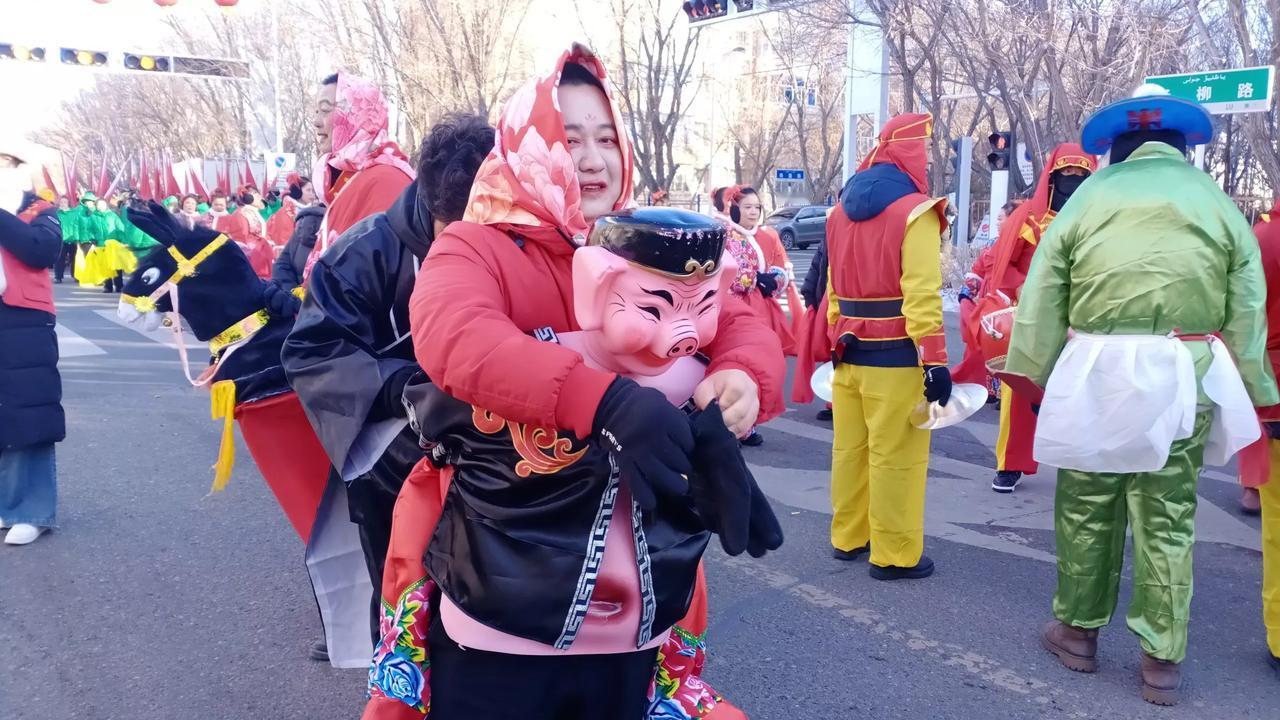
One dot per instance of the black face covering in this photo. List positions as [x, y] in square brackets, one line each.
[1125, 144]
[1063, 187]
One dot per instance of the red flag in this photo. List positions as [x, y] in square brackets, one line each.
[69, 172]
[144, 183]
[197, 186]
[48, 179]
[171, 183]
[103, 182]
[157, 178]
[249, 179]
[226, 175]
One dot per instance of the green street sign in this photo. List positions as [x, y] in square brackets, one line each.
[1223, 92]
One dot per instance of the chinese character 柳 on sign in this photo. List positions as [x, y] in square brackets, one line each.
[1204, 93]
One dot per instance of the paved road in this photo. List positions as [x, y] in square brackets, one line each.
[157, 601]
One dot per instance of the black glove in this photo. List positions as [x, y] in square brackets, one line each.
[650, 439]
[937, 384]
[391, 396]
[280, 302]
[767, 283]
[725, 494]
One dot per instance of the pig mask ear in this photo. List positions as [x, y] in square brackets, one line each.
[595, 269]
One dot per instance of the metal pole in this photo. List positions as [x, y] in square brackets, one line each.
[275, 75]
[961, 232]
[999, 196]
[1228, 186]
[850, 120]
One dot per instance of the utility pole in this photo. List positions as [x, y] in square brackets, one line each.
[866, 83]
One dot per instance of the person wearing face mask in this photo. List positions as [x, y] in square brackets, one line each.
[31, 417]
[360, 171]
[1143, 319]
[1066, 170]
[884, 307]
[492, 280]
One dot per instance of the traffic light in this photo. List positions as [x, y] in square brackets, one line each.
[147, 63]
[85, 58]
[9, 51]
[701, 10]
[1001, 155]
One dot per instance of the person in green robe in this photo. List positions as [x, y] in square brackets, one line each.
[69, 219]
[1144, 289]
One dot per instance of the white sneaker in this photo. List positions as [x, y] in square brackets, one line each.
[23, 534]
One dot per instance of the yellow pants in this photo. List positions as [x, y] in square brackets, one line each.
[879, 462]
[1270, 495]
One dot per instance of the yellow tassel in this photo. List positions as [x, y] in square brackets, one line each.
[222, 401]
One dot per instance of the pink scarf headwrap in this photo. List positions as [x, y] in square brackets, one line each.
[359, 134]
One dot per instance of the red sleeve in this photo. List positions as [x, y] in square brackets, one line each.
[369, 191]
[745, 343]
[233, 226]
[465, 340]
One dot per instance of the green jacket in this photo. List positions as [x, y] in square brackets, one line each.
[78, 225]
[107, 226]
[1146, 247]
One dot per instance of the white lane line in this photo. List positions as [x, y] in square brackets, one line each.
[72, 344]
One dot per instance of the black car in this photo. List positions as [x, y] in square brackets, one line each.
[800, 226]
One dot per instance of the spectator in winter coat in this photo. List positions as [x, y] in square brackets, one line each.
[31, 418]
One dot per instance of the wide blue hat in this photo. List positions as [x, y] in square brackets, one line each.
[1151, 108]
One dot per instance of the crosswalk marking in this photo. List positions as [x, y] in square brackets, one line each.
[72, 344]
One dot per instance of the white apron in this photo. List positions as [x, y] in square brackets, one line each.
[1117, 403]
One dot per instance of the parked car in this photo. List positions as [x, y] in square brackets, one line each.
[800, 226]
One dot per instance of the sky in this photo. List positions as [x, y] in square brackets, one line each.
[39, 89]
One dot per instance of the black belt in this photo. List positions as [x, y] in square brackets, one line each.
[875, 309]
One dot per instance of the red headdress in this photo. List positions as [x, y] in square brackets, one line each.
[904, 141]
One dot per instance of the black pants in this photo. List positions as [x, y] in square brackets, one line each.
[66, 259]
[115, 284]
[371, 505]
[480, 685]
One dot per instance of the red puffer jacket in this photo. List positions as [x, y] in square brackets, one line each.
[481, 292]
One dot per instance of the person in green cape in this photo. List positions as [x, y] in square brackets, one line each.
[1143, 318]
[68, 222]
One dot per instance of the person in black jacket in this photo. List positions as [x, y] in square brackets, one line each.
[31, 417]
[350, 355]
[812, 290]
[286, 271]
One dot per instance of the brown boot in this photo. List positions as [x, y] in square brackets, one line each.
[1076, 648]
[1161, 681]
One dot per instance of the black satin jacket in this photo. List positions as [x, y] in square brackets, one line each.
[521, 535]
[352, 333]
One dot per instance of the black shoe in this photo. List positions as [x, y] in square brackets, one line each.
[824, 415]
[319, 651]
[850, 555]
[1006, 481]
[920, 570]
[107, 290]
[755, 439]
[1274, 662]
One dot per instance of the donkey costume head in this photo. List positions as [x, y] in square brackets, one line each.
[215, 285]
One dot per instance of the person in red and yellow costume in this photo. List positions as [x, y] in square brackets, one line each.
[247, 228]
[883, 245]
[1259, 475]
[1068, 166]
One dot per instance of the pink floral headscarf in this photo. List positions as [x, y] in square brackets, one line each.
[359, 134]
[529, 183]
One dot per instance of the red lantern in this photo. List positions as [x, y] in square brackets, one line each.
[226, 4]
[166, 3]
[102, 2]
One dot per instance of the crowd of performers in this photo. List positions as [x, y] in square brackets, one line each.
[505, 410]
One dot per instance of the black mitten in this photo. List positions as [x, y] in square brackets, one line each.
[767, 283]
[279, 302]
[937, 384]
[650, 439]
[725, 494]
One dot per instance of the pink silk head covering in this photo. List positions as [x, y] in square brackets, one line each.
[359, 134]
[529, 183]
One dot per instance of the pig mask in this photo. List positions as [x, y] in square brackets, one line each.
[648, 288]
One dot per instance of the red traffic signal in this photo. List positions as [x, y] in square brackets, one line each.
[1001, 150]
[701, 10]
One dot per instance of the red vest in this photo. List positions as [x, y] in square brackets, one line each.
[27, 287]
[866, 271]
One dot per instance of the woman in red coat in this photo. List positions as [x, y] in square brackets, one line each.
[503, 275]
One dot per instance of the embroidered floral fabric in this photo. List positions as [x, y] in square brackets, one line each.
[400, 668]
